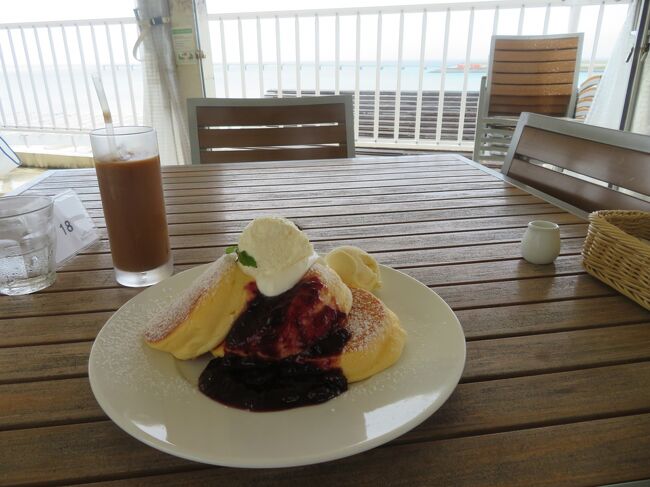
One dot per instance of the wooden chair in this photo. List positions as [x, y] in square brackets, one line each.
[536, 74]
[591, 168]
[270, 129]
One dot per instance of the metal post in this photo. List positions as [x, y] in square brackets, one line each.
[418, 105]
[443, 71]
[242, 62]
[398, 88]
[260, 62]
[375, 125]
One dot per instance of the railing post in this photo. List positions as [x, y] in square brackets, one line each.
[463, 96]
[375, 125]
[58, 77]
[317, 54]
[418, 105]
[594, 49]
[224, 59]
[47, 85]
[357, 68]
[278, 55]
[242, 61]
[547, 16]
[337, 54]
[398, 87]
[443, 71]
[6, 77]
[128, 73]
[20, 82]
[260, 62]
[118, 101]
[297, 26]
[574, 18]
[31, 77]
[85, 73]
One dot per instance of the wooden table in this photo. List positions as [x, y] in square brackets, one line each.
[556, 389]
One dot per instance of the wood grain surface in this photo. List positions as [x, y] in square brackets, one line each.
[556, 387]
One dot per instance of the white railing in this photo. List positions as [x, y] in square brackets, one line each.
[400, 63]
[46, 69]
[430, 103]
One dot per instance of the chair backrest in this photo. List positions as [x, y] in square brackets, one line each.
[592, 168]
[536, 74]
[585, 99]
[270, 129]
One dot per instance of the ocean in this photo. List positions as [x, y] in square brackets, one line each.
[67, 111]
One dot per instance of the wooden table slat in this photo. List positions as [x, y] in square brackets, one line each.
[583, 453]
[253, 202]
[251, 179]
[228, 194]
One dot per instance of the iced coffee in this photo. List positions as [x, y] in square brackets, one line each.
[130, 183]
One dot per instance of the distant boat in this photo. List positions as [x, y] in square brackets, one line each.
[472, 67]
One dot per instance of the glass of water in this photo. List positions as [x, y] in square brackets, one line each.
[27, 244]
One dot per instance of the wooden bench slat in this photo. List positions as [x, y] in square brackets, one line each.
[534, 56]
[622, 167]
[533, 90]
[315, 152]
[536, 44]
[269, 115]
[271, 136]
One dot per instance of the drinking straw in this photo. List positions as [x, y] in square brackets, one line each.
[106, 112]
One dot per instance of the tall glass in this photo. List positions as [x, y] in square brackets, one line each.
[27, 244]
[128, 172]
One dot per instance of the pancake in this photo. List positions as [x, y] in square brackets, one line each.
[376, 337]
[200, 318]
[281, 326]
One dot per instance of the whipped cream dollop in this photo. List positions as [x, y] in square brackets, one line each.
[356, 267]
[282, 252]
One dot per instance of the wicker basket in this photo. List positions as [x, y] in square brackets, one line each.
[615, 253]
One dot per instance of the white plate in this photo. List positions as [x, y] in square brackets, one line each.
[153, 397]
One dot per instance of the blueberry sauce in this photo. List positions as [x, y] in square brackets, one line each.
[282, 352]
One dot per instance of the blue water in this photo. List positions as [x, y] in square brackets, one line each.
[409, 79]
[455, 80]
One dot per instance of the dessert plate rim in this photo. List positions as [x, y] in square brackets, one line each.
[143, 392]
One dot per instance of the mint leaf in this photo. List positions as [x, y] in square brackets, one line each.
[246, 259]
[243, 257]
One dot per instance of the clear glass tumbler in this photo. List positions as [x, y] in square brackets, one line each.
[27, 244]
[128, 172]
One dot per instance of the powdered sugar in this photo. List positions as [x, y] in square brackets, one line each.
[367, 320]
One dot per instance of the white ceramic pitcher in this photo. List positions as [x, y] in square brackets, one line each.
[541, 242]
